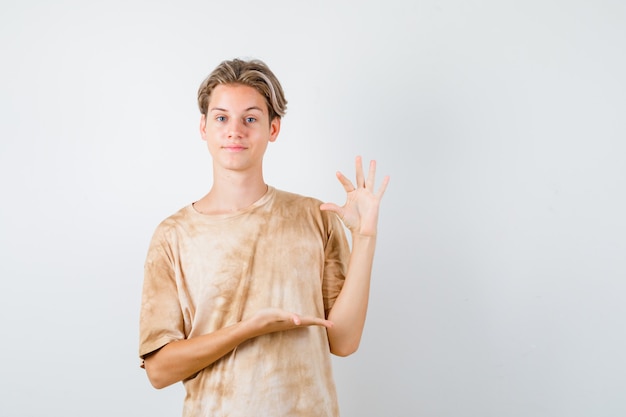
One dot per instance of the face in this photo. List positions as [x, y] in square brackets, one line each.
[237, 128]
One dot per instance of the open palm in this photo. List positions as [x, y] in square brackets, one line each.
[360, 212]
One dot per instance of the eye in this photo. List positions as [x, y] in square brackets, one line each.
[250, 119]
[221, 118]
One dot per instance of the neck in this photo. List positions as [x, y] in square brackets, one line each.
[231, 194]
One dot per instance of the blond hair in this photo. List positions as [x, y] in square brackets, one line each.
[253, 73]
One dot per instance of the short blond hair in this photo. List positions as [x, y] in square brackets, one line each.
[253, 73]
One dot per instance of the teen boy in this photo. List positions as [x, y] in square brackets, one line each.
[249, 289]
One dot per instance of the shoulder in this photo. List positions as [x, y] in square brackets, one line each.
[297, 206]
[295, 200]
[181, 219]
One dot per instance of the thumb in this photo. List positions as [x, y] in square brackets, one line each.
[330, 207]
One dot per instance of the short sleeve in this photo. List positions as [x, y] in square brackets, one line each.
[336, 257]
[161, 319]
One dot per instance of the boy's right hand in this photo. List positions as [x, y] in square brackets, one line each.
[270, 320]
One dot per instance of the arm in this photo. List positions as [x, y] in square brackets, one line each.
[360, 215]
[179, 360]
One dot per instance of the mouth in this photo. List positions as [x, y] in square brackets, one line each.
[234, 148]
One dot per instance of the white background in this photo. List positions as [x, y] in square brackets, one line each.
[500, 275]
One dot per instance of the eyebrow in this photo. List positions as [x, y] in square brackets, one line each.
[248, 109]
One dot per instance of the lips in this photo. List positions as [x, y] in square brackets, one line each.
[234, 148]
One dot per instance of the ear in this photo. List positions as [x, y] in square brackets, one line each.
[203, 127]
[274, 129]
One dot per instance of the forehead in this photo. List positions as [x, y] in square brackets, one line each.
[236, 97]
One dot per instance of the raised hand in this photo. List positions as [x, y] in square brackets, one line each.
[360, 212]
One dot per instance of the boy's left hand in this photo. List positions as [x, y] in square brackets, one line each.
[360, 212]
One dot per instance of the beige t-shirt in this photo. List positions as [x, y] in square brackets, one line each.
[206, 272]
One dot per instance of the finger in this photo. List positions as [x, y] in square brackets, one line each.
[314, 321]
[360, 181]
[347, 184]
[296, 320]
[332, 207]
[327, 323]
[371, 176]
[383, 187]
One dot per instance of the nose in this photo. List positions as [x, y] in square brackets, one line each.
[235, 129]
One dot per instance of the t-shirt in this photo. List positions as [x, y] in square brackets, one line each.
[205, 272]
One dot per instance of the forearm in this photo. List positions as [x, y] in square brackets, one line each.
[350, 308]
[179, 360]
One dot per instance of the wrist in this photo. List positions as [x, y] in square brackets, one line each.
[362, 238]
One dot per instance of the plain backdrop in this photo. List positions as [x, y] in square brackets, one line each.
[500, 274]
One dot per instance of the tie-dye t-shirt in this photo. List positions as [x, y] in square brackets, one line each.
[205, 272]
